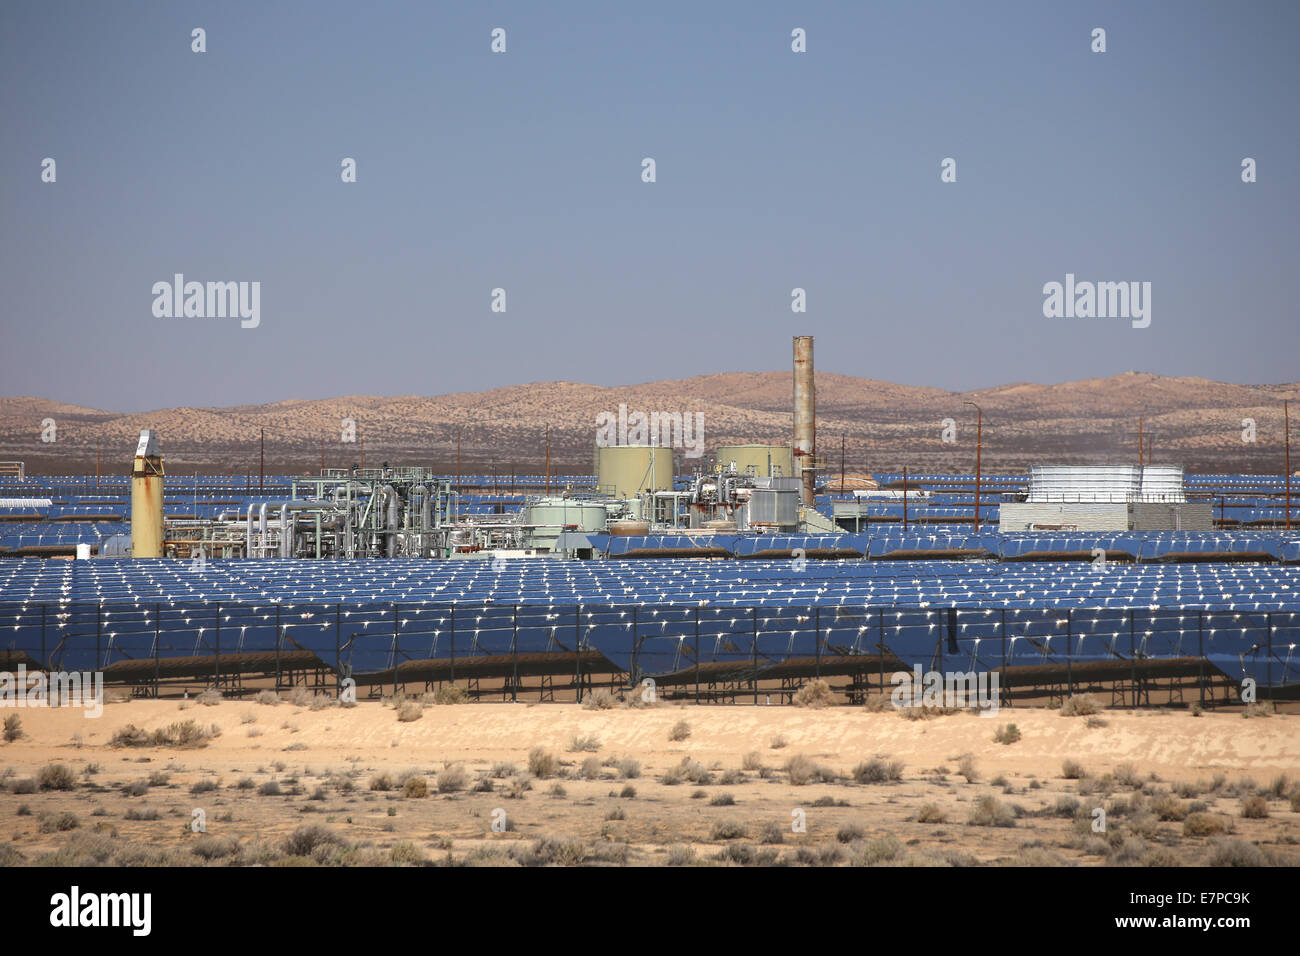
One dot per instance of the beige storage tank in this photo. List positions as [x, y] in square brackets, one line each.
[627, 470]
[769, 461]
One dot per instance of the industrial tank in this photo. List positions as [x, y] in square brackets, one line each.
[565, 514]
[545, 519]
[627, 470]
[769, 461]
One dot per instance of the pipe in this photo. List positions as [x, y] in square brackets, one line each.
[248, 532]
[391, 521]
[805, 415]
[288, 527]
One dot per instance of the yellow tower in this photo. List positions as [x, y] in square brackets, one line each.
[147, 498]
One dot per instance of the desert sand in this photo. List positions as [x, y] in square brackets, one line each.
[1148, 770]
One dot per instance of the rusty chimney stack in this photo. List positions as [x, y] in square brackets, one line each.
[805, 416]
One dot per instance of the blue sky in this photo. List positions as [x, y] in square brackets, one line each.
[522, 170]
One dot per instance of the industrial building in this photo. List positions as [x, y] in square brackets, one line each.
[1106, 498]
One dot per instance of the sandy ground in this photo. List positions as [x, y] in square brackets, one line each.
[325, 761]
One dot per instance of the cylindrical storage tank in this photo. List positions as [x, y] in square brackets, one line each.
[147, 499]
[566, 515]
[768, 461]
[1163, 483]
[628, 526]
[627, 470]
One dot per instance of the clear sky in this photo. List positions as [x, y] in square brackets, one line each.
[522, 171]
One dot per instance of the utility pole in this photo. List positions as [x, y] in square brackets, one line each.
[979, 449]
[322, 454]
[457, 459]
[98, 449]
[1286, 424]
[841, 464]
[548, 459]
[1140, 446]
[261, 465]
[904, 497]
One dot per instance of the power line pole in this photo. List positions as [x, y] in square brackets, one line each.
[261, 465]
[1286, 420]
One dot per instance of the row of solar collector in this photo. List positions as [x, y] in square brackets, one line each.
[363, 639]
[1220, 586]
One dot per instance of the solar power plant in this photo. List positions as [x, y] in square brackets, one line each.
[655, 616]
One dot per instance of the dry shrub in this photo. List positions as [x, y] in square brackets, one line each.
[415, 787]
[599, 700]
[209, 698]
[13, 728]
[1259, 709]
[991, 812]
[877, 703]
[590, 769]
[877, 770]
[590, 743]
[381, 782]
[310, 838]
[56, 776]
[409, 710]
[886, 849]
[1080, 705]
[451, 694]
[453, 778]
[681, 730]
[1073, 770]
[930, 813]
[215, 847]
[268, 697]
[1007, 735]
[57, 822]
[752, 761]
[1202, 824]
[803, 770]
[722, 800]
[542, 763]
[816, 694]
[1233, 851]
[1254, 808]
[187, 733]
[1126, 775]
[779, 741]
[628, 769]
[849, 832]
[406, 853]
[727, 830]
[1169, 808]
[966, 768]
[677, 856]
[926, 712]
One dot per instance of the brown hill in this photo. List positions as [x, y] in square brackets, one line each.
[883, 426]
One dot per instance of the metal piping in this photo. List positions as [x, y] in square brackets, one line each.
[391, 522]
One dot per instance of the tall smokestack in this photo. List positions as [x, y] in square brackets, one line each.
[805, 415]
[147, 498]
